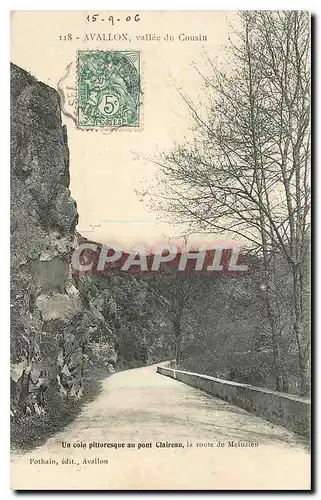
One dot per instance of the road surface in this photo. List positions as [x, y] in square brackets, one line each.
[139, 431]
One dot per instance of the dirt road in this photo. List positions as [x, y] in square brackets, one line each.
[125, 440]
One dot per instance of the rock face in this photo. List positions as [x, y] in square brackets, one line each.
[49, 323]
[60, 321]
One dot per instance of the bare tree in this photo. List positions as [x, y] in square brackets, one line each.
[179, 289]
[246, 172]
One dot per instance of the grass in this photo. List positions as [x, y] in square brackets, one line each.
[29, 432]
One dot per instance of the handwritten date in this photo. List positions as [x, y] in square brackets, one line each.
[93, 18]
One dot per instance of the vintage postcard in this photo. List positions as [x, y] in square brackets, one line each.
[160, 250]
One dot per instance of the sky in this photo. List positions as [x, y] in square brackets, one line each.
[107, 168]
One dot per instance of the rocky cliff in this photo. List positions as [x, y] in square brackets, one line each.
[49, 322]
[60, 322]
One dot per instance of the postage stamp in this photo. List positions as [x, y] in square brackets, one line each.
[108, 89]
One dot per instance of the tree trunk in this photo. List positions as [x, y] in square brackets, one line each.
[303, 358]
[280, 379]
[178, 340]
[300, 336]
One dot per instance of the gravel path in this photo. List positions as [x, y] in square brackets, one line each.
[135, 435]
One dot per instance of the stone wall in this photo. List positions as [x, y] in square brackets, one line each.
[290, 411]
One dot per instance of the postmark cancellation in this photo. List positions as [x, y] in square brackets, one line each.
[108, 86]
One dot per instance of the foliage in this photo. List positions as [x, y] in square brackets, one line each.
[30, 431]
[246, 173]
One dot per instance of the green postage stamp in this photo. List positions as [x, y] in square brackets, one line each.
[108, 89]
